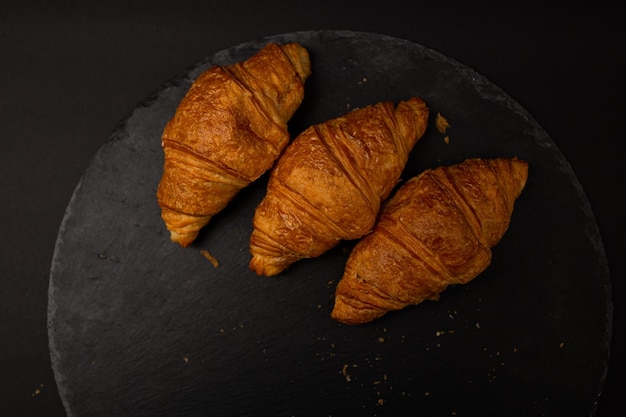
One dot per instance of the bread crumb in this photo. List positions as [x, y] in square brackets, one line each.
[210, 257]
[447, 140]
[441, 123]
[37, 391]
[344, 371]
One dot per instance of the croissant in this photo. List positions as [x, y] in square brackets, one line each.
[329, 183]
[437, 230]
[226, 132]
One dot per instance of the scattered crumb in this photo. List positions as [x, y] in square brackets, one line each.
[447, 140]
[186, 359]
[381, 401]
[210, 257]
[441, 123]
[344, 372]
[561, 344]
[477, 325]
[381, 339]
[37, 391]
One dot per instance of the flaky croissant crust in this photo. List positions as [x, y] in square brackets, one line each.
[227, 131]
[437, 230]
[329, 183]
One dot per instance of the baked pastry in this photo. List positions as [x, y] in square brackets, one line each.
[330, 182]
[227, 131]
[437, 230]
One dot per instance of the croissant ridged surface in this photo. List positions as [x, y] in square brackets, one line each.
[437, 230]
[329, 183]
[227, 131]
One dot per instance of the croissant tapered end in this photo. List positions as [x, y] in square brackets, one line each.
[437, 230]
[266, 266]
[226, 132]
[264, 260]
[183, 228]
[519, 176]
[346, 313]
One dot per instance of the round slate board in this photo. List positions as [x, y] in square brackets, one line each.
[141, 327]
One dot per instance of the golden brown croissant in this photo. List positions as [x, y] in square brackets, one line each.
[329, 183]
[437, 230]
[227, 131]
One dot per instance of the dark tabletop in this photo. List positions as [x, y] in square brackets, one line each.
[71, 73]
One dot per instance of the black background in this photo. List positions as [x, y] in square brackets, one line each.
[71, 71]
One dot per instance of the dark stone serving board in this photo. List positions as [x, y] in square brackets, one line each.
[141, 327]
